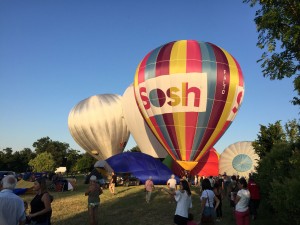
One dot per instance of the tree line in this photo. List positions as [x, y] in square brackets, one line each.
[47, 155]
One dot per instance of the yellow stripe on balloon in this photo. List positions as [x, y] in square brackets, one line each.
[179, 122]
[178, 57]
[234, 79]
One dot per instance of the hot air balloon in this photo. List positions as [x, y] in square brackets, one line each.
[208, 165]
[98, 126]
[239, 159]
[189, 93]
[138, 128]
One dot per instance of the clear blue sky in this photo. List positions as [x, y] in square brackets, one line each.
[56, 53]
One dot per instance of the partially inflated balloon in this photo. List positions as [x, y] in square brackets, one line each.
[189, 93]
[98, 126]
[239, 159]
[140, 131]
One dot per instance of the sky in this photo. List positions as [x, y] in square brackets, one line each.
[53, 54]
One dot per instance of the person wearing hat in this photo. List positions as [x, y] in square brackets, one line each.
[93, 192]
[149, 186]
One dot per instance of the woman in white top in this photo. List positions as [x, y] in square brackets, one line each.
[242, 215]
[207, 201]
[184, 202]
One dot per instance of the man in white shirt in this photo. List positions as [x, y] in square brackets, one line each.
[12, 211]
[172, 185]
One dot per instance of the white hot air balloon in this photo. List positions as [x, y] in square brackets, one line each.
[239, 159]
[98, 126]
[140, 131]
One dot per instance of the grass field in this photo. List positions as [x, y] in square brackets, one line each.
[128, 207]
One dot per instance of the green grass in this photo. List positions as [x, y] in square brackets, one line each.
[128, 207]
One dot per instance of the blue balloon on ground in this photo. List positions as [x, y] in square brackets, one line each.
[141, 166]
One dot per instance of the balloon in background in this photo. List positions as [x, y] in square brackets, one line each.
[189, 93]
[208, 165]
[238, 159]
[98, 126]
[138, 128]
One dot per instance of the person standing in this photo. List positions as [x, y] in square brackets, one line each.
[208, 208]
[93, 192]
[40, 205]
[149, 186]
[12, 209]
[254, 197]
[219, 194]
[183, 198]
[241, 203]
[113, 182]
[172, 185]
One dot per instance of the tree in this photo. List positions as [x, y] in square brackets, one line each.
[72, 157]
[57, 149]
[43, 162]
[85, 163]
[267, 137]
[278, 169]
[135, 149]
[278, 25]
[292, 130]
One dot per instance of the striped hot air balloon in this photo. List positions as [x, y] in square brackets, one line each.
[189, 93]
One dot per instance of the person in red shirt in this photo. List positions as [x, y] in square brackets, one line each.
[253, 187]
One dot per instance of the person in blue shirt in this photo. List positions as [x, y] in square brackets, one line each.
[12, 209]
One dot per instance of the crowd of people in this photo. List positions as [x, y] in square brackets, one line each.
[243, 197]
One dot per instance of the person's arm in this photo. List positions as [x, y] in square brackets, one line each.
[88, 191]
[203, 202]
[22, 220]
[237, 199]
[217, 202]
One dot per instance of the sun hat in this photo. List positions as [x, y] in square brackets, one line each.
[93, 177]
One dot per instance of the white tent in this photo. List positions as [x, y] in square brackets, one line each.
[61, 170]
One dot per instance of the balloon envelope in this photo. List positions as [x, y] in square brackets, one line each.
[98, 126]
[189, 93]
[208, 165]
[138, 128]
[239, 159]
[140, 165]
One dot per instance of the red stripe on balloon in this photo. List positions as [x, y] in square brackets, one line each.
[142, 68]
[194, 59]
[163, 60]
[191, 119]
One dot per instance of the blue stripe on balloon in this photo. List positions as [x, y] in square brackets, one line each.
[150, 70]
[162, 127]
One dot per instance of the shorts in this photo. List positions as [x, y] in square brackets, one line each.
[93, 204]
[180, 220]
